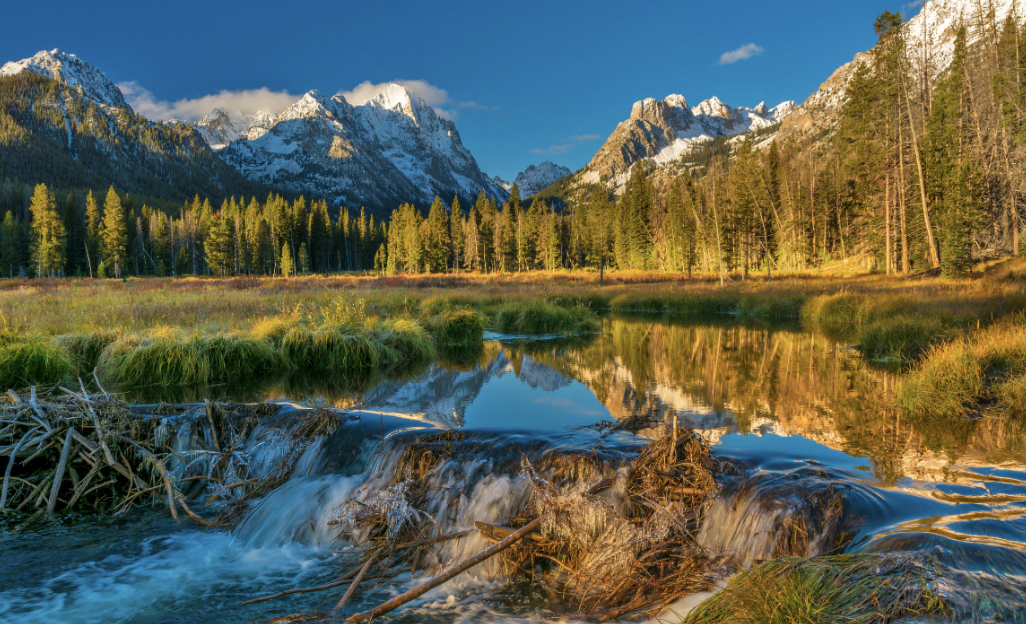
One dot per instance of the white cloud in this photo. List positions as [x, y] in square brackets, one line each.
[567, 144]
[247, 101]
[741, 54]
[435, 97]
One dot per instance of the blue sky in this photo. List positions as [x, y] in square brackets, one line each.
[524, 82]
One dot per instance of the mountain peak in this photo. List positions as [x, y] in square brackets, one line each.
[77, 74]
[537, 178]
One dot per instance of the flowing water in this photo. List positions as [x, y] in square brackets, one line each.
[805, 417]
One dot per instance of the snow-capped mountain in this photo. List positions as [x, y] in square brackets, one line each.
[221, 127]
[930, 41]
[664, 130]
[78, 75]
[537, 178]
[388, 149]
[92, 138]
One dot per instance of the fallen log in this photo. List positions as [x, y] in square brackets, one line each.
[452, 572]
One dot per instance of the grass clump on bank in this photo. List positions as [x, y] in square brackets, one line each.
[540, 317]
[168, 358]
[857, 589]
[959, 377]
[457, 328]
[33, 361]
[85, 349]
[328, 349]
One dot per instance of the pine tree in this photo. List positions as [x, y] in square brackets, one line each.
[9, 244]
[93, 241]
[304, 259]
[456, 235]
[219, 245]
[48, 234]
[115, 232]
[287, 269]
[437, 243]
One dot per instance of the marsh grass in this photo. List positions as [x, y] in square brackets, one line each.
[856, 589]
[33, 361]
[169, 357]
[540, 317]
[457, 328]
[85, 349]
[403, 344]
[956, 378]
[328, 350]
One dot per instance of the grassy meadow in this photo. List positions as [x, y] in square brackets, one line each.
[962, 342]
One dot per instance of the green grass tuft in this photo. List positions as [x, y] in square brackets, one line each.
[855, 589]
[33, 361]
[540, 317]
[85, 349]
[902, 337]
[457, 328]
[403, 344]
[170, 358]
[328, 349]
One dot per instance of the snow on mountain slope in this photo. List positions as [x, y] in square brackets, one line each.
[221, 127]
[930, 40]
[537, 178]
[80, 76]
[387, 149]
[664, 130]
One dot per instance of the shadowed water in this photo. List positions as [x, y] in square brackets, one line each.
[804, 415]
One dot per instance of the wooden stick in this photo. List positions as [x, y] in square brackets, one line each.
[434, 540]
[61, 466]
[465, 565]
[10, 465]
[213, 430]
[356, 581]
[35, 407]
[83, 484]
[305, 590]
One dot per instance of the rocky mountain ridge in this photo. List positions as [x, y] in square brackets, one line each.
[664, 130]
[379, 152]
[78, 75]
[537, 178]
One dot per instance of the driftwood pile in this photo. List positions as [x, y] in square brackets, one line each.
[67, 451]
[614, 547]
[75, 451]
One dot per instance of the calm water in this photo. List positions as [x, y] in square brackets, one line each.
[780, 400]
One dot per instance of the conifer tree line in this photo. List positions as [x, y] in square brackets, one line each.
[923, 171]
[109, 236]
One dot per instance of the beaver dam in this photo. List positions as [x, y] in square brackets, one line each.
[671, 473]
